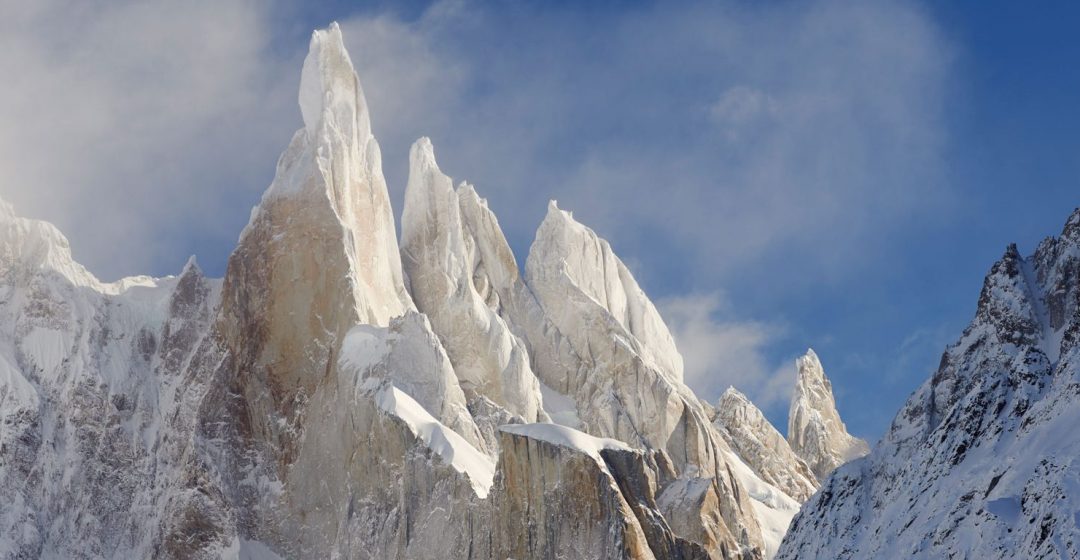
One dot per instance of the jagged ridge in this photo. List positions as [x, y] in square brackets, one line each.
[305, 406]
[981, 460]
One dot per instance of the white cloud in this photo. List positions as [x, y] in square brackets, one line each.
[720, 350]
[139, 128]
[754, 138]
[742, 134]
[742, 106]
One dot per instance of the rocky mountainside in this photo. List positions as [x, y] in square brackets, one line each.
[815, 431]
[762, 447]
[981, 462]
[336, 395]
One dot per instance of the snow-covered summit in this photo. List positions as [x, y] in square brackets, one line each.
[330, 92]
[36, 246]
[328, 200]
[981, 460]
[565, 249]
[815, 430]
[444, 257]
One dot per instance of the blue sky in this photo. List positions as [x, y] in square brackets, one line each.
[778, 175]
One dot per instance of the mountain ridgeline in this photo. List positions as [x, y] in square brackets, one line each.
[983, 461]
[337, 395]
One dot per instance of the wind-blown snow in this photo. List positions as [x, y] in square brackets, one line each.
[566, 437]
[442, 440]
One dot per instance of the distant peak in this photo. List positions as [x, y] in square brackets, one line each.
[1072, 226]
[192, 265]
[556, 213]
[422, 154]
[733, 394]
[1011, 252]
[809, 365]
[1074, 218]
[329, 85]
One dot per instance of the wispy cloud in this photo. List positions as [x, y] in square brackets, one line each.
[140, 128]
[717, 144]
[721, 350]
[796, 133]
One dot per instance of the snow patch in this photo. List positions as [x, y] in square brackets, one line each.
[566, 437]
[561, 408]
[454, 449]
[773, 509]
[15, 391]
[46, 348]
[364, 346]
[255, 550]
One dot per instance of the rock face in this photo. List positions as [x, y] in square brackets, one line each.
[546, 471]
[625, 387]
[762, 447]
[815, 431]
[447, 271]
[91, 397]
[335, 397]
[981, 460]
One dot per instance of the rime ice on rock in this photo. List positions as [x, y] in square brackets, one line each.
[815, 430]
[444, 259]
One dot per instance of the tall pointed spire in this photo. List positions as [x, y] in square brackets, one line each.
[815, 430]
[330, 91]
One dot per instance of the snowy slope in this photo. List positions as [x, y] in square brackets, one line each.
[981, 462]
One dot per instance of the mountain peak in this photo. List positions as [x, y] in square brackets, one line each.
[192, 265]
[330, 90]
[1072, 226]
[422, 156]
[809, 365]
[980, 461]
[815, 430]
[761, 446]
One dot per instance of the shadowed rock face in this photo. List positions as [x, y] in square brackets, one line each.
[543, 485]
[980, 461]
